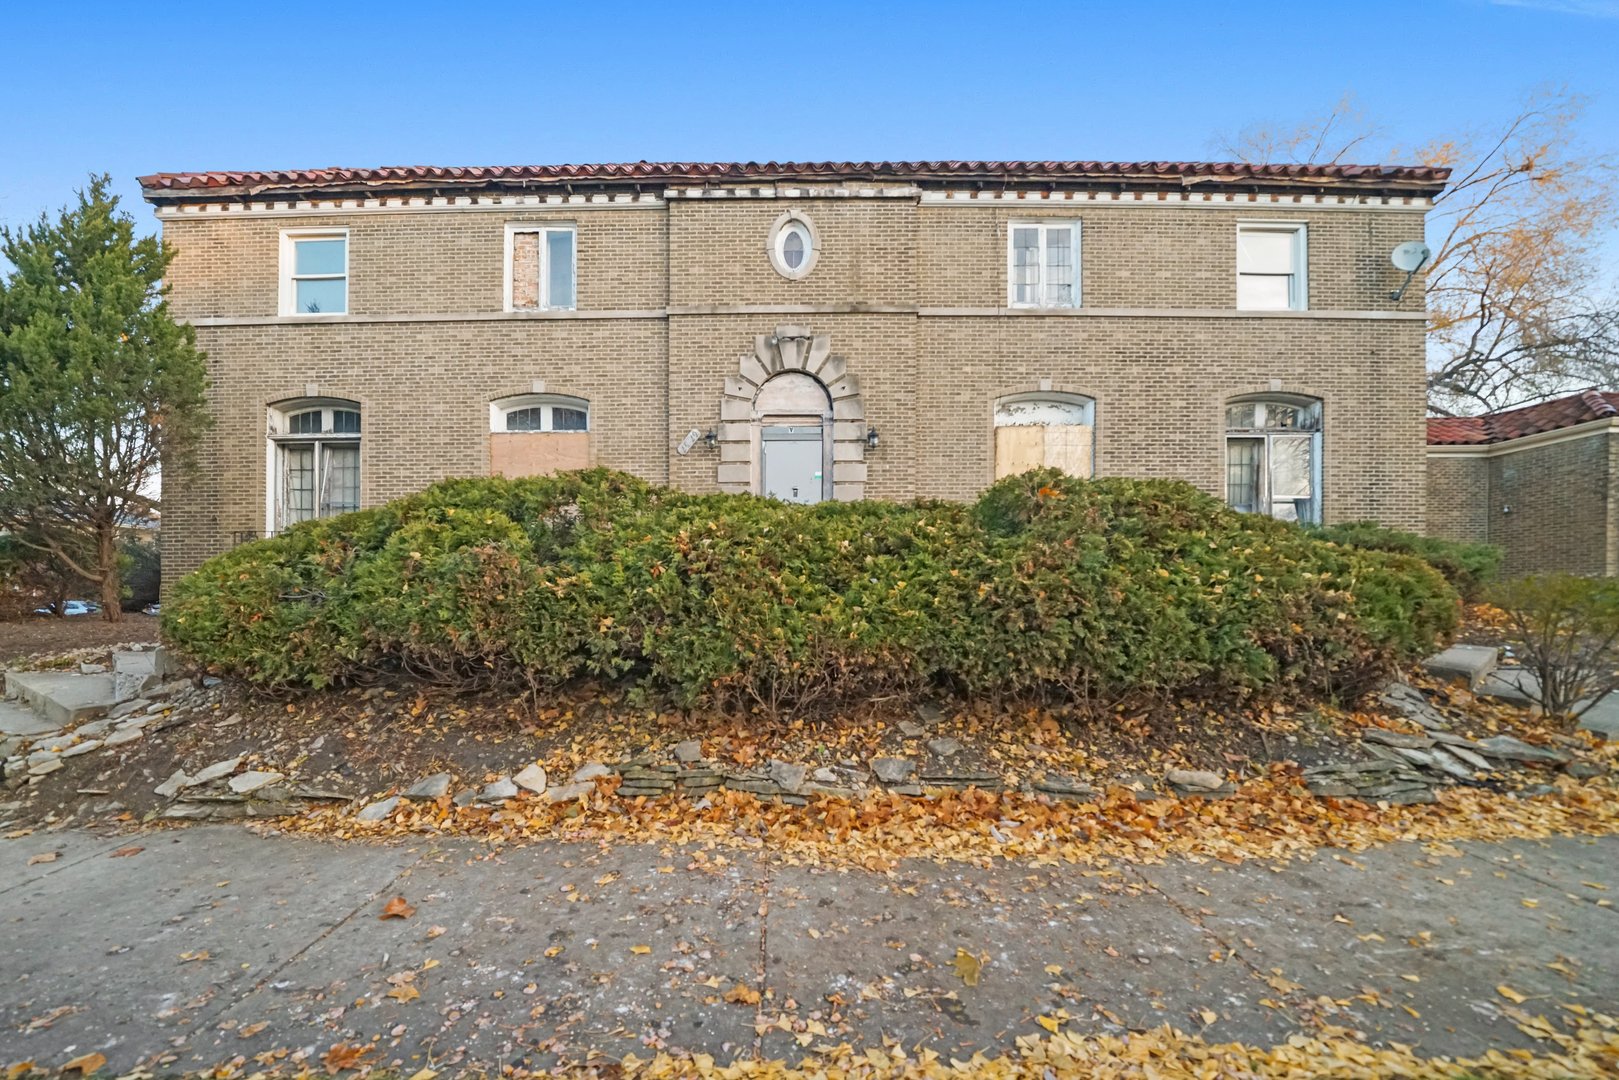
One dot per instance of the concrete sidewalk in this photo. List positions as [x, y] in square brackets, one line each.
[212, 942]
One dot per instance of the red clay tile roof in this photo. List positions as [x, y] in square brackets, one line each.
[1565, 412]
[1420, 178]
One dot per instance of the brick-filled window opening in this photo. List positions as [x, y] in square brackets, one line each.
[1271, 265]
[1046, 430]
[1043, 264]
[315, 272]
[315, 461]
[1273, 458]
[541, 264]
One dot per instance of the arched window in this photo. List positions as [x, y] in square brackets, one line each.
[314, 460]
[538, 434]
[1045, 430]
[1273, 457]
[540, 412]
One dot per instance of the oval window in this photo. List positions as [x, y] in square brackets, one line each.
[792, 247]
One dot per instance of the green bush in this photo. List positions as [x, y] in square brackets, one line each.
[1096, 590]
[1468, 567]
[1565, 630]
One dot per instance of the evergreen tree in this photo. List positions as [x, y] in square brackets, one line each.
[99, 386]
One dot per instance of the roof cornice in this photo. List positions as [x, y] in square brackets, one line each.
[1391, 179]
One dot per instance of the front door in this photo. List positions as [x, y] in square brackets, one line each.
[794, 469]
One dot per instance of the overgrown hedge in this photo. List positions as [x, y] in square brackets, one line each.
[1102, 590]
[1468, 567]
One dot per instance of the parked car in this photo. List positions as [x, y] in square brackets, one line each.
[71, 607]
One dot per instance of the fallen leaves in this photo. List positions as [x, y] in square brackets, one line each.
[1588, 1046]
[397, 908]
[43, 857]
[126, 852]
[1273, 818]
[85, 1064]
[344, 1056]
[968, 968]
[404, 992]
[742, 994]
[1510, 994]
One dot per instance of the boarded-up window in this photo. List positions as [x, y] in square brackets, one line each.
[1033, 431]
[538, 434]
[537, 453]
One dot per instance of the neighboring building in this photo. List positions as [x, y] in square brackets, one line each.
[809, 331]
[1541, 481]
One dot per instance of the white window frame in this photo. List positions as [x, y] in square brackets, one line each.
[287, 300]
[1267, 433]
[279, 437]
[542, 228]
[776, 239]
[1298, 289]
[548, 402]
[1043, 224]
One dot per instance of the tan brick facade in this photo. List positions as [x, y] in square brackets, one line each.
[1549, 501]
[675, 291]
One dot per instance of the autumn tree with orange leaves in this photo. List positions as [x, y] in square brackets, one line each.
[1517, 312]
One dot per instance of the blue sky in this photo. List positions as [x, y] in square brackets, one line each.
[134, 88]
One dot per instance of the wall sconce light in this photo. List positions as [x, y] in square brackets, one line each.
[711, 439]
[871, 438]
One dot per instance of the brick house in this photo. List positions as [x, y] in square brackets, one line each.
[1541, 481]
[808, 331]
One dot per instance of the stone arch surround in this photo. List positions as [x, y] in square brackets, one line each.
[791, 348]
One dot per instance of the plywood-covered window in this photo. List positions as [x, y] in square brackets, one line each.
[1046, 430]
[537, 434]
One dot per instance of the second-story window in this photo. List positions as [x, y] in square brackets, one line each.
[540, 262]
[315, 272]
[1271, 262]
[1043, 264]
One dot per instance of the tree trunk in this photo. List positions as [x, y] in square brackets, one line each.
[112, 599]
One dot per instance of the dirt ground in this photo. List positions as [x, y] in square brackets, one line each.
[43, 634]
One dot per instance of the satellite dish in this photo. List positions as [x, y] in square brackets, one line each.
[1411, 256]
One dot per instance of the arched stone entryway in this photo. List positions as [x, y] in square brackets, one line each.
[772, 399]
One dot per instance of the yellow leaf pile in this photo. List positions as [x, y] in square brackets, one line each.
[1273, 819]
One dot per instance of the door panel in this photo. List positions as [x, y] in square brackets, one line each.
[793, 462]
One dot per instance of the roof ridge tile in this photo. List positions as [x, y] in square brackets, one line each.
[935, 169]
